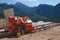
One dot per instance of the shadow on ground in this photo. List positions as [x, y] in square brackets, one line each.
[6, 35]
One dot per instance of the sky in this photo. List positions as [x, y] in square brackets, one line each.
[32, 3]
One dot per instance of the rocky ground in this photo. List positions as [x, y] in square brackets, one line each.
[49, 34]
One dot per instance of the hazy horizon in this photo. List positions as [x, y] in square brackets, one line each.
[32, 3]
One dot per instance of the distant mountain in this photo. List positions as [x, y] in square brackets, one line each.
[28, 11]
[42, 12]
[49, 11]
[45, 10]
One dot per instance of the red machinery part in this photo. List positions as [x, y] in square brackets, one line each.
[13, 29]
[29, 27]
[11, 20]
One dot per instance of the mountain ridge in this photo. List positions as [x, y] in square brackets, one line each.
[42, 12]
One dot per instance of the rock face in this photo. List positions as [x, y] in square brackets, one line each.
[49, 34]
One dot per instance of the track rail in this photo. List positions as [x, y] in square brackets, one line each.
[45, 27]
[36, 29]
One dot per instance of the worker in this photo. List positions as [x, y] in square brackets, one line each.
[20, 22]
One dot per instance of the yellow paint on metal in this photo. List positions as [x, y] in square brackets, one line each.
[18, 34]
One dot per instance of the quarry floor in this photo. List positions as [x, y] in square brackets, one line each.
[49, 34]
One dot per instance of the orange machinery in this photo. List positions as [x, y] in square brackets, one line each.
[11, 20]
[13, 27]
[28, 26]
